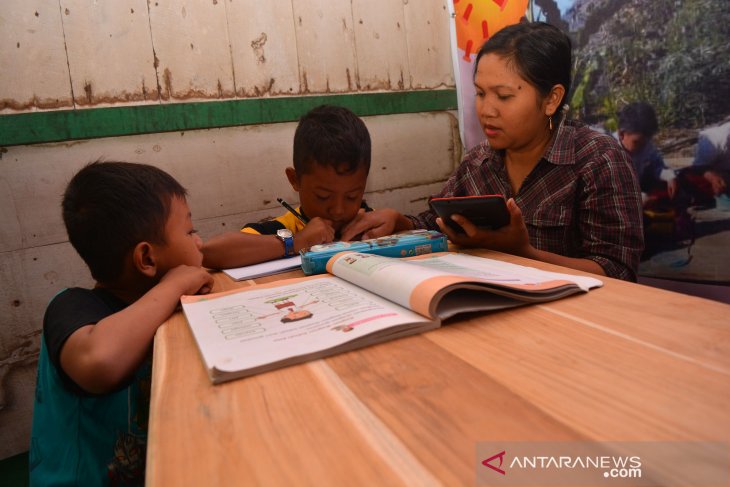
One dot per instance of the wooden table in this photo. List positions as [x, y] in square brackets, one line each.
[624, 362]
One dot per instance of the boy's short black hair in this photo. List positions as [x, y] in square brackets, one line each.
[331, 136]
[109, 207]
[638, 117]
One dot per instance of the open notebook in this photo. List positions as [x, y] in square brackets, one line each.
[264, 269]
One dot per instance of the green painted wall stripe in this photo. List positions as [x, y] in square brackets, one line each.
[55, 126]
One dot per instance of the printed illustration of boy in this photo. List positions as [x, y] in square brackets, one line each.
[131, 225]
[707, 180]
[331, 165]
[637, 125]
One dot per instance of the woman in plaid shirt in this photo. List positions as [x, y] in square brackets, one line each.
[571, 192]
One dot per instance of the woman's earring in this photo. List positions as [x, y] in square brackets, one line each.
[550, 122]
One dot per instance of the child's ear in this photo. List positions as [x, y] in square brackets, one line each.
[143, 257]
[291, 175]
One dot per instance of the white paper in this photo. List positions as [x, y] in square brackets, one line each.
[264, 269]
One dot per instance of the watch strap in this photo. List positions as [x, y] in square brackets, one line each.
[288, 245]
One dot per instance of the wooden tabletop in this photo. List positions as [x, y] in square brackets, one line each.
[622, 363]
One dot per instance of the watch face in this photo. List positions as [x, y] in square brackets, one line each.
[284, 233]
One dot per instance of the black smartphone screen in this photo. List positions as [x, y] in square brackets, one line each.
[488, 212]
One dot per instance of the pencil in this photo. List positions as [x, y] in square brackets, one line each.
[292, 210]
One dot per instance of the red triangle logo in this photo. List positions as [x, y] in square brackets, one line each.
[494, 457]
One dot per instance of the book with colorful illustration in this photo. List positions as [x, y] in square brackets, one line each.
[363, 299]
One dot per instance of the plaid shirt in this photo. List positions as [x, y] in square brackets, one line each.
[581, 200]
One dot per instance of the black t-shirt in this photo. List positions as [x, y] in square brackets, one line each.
[70, 310]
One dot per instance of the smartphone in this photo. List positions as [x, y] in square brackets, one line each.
[486, 211]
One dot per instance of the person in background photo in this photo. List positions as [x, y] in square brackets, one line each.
[712, 158]
[572, 194]
[705, 183]
[637, 125]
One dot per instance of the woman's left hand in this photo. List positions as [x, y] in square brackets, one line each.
[512, 238]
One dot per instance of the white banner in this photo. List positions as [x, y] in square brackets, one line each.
[473, 22]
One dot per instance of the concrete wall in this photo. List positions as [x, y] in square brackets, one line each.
[78, 54]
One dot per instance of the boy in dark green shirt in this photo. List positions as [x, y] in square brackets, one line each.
[132, 226]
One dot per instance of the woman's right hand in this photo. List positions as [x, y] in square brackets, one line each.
[512, 238]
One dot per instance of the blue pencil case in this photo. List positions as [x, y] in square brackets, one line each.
[405, 244]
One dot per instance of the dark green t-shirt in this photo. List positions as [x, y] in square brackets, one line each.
[80, 438]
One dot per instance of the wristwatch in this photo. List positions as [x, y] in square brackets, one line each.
[286, 237]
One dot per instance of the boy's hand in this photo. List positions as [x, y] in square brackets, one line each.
[717, 182]
[374, 224]
[100, 357]
[512, 238]
[672, 187]
[317, 231]
[189, 279]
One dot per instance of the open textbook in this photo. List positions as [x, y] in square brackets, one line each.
[364, 299]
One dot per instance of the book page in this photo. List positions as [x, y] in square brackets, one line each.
[414, 282]
[502, 273]
[392, 278]
[271, 323]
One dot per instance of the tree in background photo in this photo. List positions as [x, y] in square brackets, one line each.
[671, 55]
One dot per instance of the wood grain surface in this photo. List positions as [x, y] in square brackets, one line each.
[622, 363]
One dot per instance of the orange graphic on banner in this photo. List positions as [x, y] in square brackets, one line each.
[478, 19]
